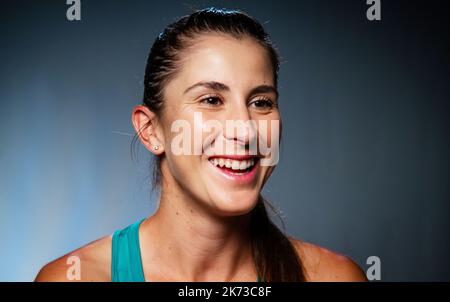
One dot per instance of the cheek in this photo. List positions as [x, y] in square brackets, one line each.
[269, 132]
[186, 171]
[179, 160]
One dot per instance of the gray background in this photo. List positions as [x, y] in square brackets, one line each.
[364, 166]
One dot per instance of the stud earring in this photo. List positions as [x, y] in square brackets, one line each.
[155, 147]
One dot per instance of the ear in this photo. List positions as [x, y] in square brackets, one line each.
[146, 126]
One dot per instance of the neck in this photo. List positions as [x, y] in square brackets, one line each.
[193, 244]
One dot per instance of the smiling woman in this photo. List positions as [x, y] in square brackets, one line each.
[211, 223]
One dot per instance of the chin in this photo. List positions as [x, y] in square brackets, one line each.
[235, 204]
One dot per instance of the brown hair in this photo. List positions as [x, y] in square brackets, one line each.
[275, 257]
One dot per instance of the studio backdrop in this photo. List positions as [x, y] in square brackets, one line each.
[364, 167]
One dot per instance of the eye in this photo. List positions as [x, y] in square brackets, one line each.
[263, 104]
[211, 101]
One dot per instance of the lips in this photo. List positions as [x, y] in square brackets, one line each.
[240, 169]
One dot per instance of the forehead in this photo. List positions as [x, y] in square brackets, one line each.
[240, 64]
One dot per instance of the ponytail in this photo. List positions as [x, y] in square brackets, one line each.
[275, 257]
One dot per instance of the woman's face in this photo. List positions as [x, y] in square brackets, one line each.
[216, 166]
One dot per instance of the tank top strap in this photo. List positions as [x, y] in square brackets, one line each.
[126, 263]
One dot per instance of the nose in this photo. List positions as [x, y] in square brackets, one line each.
[239, 128]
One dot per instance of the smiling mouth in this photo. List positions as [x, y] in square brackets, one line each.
[236, 165]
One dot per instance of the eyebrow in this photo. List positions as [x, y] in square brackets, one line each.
[222, 87]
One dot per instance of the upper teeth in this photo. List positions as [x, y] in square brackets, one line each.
[232, 164]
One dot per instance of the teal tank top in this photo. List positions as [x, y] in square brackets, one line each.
[126, 263]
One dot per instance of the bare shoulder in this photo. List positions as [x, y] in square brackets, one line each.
[87, 263]
[321, 264]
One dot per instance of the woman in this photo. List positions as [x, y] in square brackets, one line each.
[211, 223]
